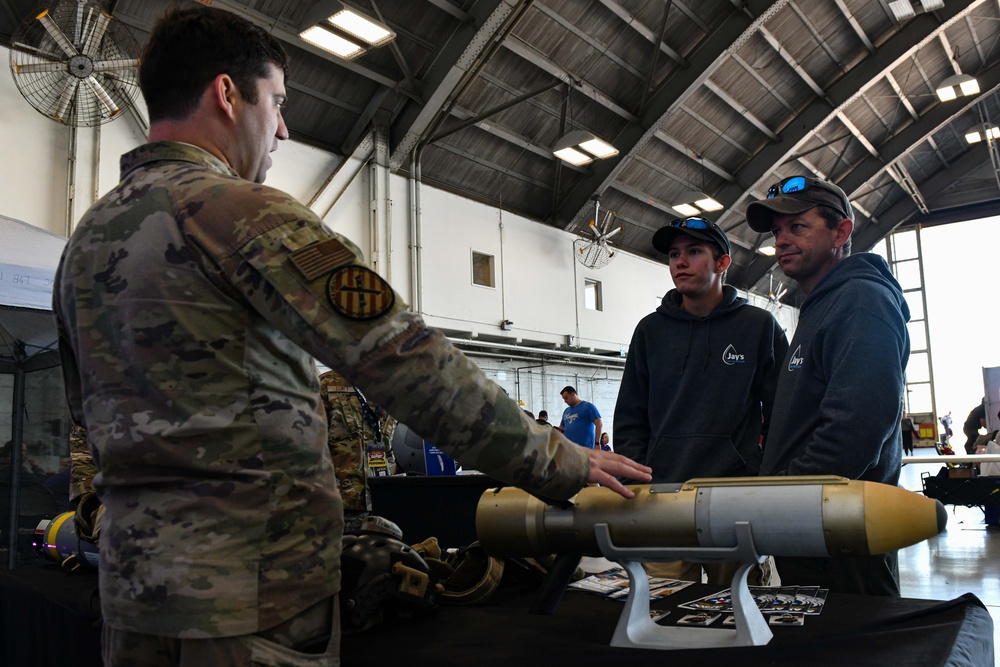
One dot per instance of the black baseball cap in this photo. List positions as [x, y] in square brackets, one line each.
[699, 228]
[796, 194]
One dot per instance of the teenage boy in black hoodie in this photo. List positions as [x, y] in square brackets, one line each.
[700, 376]
[840, 392]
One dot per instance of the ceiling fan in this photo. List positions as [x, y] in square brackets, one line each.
[774, 294]
[596, 251]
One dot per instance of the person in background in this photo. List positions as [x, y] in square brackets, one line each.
[975, 421]
[606, 442]
[907, 429]
[359, 438]
[838, 404]
[543, 418]
[191, 302]
[581, 421]
[946, 423]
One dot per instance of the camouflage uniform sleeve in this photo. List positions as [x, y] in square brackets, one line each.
[81, 466]
[346, 440]
[314, 288]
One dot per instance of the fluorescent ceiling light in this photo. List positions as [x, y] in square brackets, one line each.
[580, 147]
[965, 83]
[573, 156]
[708, 204]
[991, 132]
[695, 203]
[362, 27]
[970, 87]
[598, 148]
[328, 41]
[946, 94]
[902, 9]
[686, 209]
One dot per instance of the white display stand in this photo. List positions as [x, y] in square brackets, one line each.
[637, 630]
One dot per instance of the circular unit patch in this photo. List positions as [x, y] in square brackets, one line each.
[358, 293]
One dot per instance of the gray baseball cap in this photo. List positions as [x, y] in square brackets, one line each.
[796, 194]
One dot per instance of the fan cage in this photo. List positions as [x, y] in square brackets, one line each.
[58, 85]
[592, 254]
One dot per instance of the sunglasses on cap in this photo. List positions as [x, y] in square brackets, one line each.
[692, 223]
[793, 184]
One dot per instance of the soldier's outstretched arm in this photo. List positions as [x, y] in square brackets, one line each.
[314, 287]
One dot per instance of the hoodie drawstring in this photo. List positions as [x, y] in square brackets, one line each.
[687, 352]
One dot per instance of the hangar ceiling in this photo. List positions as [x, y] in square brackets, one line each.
[723, 97]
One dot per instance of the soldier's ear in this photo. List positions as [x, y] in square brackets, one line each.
[225, 94]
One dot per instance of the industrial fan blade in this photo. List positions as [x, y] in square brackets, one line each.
[39, 68]
[57, 34]
[93, 41]
[101, 95]
[104, 66]
[28, 48]
[66, 97]
[593, 229]
[612, 233]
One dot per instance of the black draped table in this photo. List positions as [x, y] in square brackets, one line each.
[851, 630]
[49, 618]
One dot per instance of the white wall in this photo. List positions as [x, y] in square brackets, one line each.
[539, 285]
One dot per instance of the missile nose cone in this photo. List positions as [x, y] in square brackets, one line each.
[896, 518]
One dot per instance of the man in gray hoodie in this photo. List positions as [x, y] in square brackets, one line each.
[840, 391]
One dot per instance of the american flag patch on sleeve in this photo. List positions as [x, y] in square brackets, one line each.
[321, 258]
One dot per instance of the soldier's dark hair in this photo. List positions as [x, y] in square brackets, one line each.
[832, 218]
[189, 47]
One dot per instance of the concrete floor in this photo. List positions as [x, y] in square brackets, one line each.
[965, 558]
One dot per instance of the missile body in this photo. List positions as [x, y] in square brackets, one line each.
[788, 516]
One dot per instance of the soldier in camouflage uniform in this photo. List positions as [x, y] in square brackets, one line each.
[81, 465]
[350, 432]
[190, 303]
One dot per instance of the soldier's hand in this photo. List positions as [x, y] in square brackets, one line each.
[605, 467]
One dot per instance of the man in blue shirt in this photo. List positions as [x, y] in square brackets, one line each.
[581, 422]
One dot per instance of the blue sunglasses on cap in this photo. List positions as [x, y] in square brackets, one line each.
[794, 184]
[691, 223]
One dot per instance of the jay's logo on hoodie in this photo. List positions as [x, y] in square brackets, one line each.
[796, 360]
[731, 356]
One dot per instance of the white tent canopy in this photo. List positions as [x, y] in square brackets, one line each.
[28, 260]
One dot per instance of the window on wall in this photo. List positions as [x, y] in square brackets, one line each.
[592, 294]
[483, 270]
